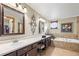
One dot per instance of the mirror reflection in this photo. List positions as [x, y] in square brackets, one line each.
[13, 21]
[9, 25]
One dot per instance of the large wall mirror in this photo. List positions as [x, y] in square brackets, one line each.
[12, 21]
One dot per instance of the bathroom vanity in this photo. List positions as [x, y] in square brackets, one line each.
[24, 47]
[30, 50]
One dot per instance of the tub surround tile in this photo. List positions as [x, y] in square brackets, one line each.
[68, 44]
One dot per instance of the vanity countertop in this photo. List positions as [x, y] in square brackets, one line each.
[6, 48]
[11, 46]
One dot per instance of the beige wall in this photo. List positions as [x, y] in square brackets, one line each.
[28, 32]
[72, 20]
[28, 16]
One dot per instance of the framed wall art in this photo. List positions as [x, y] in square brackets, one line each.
[66, 27]
[41, 27]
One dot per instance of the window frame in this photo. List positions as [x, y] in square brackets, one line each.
[54, 22]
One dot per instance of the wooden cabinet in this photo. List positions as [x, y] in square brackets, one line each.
[23, 50]
[48, 42]
[34, 45]
[23, 55]
[32, 52]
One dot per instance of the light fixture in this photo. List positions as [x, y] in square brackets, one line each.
[5, 17]
[20, 6]
[41, 19]
[25, 10]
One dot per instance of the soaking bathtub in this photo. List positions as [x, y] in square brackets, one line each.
[66, 43]
[67, 40]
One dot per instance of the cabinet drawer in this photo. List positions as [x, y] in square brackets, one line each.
[29, 47]
[23, 50]
[32, 52]
[34, 45]
[11, 54]
[23, 55]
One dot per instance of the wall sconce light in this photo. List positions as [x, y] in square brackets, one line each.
[25, 10]
[20, 7]
[41, 19]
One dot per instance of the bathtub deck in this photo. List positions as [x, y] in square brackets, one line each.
[54, 51]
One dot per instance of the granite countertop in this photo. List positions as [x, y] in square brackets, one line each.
[6, 48]
[11, 46]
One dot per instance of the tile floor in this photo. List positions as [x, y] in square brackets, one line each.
[54, 51]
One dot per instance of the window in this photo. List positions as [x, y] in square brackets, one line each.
[54, 25]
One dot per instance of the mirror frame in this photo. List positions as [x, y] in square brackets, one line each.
[2, 6]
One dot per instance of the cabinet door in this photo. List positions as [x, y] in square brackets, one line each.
[47, 42]
[23, 50]
[23, 55]
[32, 52]
[34, 45]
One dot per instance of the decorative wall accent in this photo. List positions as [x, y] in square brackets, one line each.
[66, 27]
[41, 27]
[33, 24]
